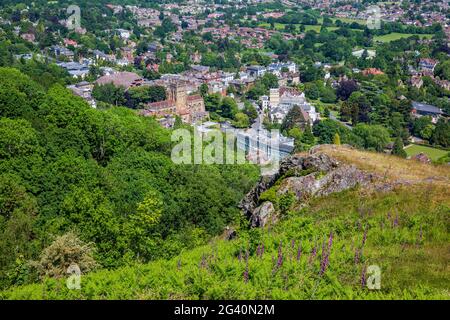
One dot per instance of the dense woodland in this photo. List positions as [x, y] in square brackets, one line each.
[104, 175]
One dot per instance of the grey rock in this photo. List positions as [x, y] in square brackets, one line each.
[230, 234]
[262, 214]
[325, 176]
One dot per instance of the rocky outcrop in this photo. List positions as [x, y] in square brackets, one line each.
[251, 200]
[336, 180]
[262, 214]
[303, 176]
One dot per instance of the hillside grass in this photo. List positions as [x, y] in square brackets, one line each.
[392, 169]
[406, 236]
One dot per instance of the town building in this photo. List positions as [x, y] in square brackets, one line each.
[84, 90]
[423, 109]
[190, 108]
[256, 71]
[75, 69]
[427, 66]
[122, 79]
[281, 101]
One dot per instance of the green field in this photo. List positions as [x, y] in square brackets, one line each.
[396, 36]
[317, 28]
[386, 38]
[433, 153]
[280, 27]
[349, 20]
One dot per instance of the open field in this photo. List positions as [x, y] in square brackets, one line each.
[349, 20]
[396, 36]
[433, 153]
[280, 27]
[317, 28]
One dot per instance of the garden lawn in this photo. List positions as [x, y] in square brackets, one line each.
[433, 153]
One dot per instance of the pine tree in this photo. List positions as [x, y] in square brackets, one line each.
[337, 139]
[398, 148]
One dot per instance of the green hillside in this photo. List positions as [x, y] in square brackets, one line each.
[405, 232]
[98, 188]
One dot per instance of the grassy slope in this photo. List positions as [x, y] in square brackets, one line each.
[413, 266]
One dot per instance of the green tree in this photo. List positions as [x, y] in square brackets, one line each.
[228, 108]
[373, 137]
[295, 117]
[204, 89]
[441, 135]
[17, 139]
[398, 149]
[241, 120]
[308, 137]
[110, 94]
[146, 94]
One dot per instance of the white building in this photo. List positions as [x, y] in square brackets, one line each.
[265, 102]
[277, 68]
[282, 100]
[256, 71]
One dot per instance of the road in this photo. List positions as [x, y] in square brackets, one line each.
[333, 117]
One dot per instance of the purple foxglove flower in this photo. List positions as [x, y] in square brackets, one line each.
[396, 221]
[246, 274]
[363, 277]
[299, 252]
[330, 240]
[357, 255]
[365, 236]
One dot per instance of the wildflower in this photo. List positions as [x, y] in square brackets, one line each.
[279, 260]
[313, 254]
[179, 264]
[246, 273]
[396, 221]
[324, 264]
[326, 255]
[363, 277]
[330, 240]
[299, 252]
[357, 256]
[203, 263]
[365, 236]
[292, 243]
